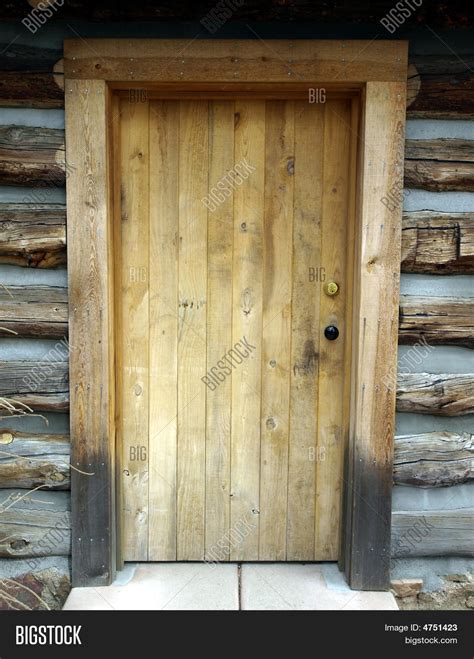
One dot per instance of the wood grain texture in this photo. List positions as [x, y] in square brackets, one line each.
[220, 232]
[437, 320]
[438, 243]
[440, 165]
[192, 330]
[29, 461]
[376, 290]
[90, 327]
[433, 533]
[276, 327]
[35, 380]
[434, 459]
[34, 311]
[163, 295]
[219, 60]
[247, 322]
[135, 326]
[331, 402]
[34, 524]
[442, 395]
[29, 76]
[305, 334]
[32, 156]
[441, 87]
[33, 235]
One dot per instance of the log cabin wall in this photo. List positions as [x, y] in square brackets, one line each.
[435, 427]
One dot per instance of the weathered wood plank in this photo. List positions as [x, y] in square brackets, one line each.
[374, 331]
[428, 393]
[442, 149]
[34, 311]
[332, 311]
[163, 294]
[247, 296]
[30, 77]
[434, 459]
[438, 320]
[160, 60]
[433, 533]
[29, 461]
[133, 325]
[33, 235]
[438, 243]
[440, 165]
[32, 156]
[276, 328]
[219, 332]
[34, 523]
[192, 329]
[43, 402]
[91, 285]
[43, 385]
[305, 335]
[441, 86]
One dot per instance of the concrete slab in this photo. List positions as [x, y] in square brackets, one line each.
[198, 586]
[296, 586]
[164, 586]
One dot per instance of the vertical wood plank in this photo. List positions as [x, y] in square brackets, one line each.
[305, 330]
[164, 140]
[247, 322]
[135, 326]
[276, 331]
[219, 332]
[90, 333]
[193, 186]
[115, 262]
[351, 251]
[375, 337]
[329, 463]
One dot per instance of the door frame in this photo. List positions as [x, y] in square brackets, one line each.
[95, 70]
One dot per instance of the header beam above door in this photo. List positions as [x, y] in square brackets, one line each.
[225, 60]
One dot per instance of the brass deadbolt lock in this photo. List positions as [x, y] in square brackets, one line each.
[331, 288]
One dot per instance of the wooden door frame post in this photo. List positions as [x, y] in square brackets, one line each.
[94, 70]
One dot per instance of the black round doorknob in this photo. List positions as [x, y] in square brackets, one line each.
[331, 333]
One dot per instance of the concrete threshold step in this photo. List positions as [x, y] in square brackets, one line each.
[250, 586]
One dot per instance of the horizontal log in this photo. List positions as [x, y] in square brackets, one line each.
[33, 235]
[442, 149]
[34, 523]
[438, 86]
[42, 385]
[34, 311]
[433, 533]
[34, 584]
[440, 165]
[434, 459]
[436, 14]
[442, 395]
[441, 87]
[32, 156]
[437, 320]
[30, 76]
[35, 156]
[438, 243]
[29, 461]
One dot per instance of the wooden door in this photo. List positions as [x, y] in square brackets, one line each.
[235, 214]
